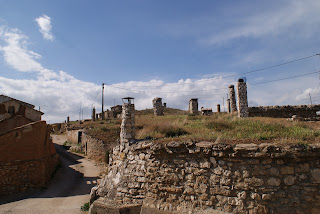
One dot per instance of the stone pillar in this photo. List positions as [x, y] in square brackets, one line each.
[128, 131]
[232, 96]
[157, 106]
[193, 106]
[68, 120]
[93, 116]
[164, 105]
[218, 108]
[228, 106]
[242, 99]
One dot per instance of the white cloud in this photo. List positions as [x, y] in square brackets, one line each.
[15, 51]
[44, 23]
[60, 95]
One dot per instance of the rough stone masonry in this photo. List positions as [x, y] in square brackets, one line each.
[193, 106]
[157, 106]
[232, 95]
[242, 178]
[128, 131]
[242, 99]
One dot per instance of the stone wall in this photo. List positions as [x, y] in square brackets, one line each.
[245, 178]
[22, 175]
[73, 135]
[27, 158]
[28, 142]
[96, 149]
[305, 111]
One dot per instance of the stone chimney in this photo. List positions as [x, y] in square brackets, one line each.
[128, 131]
[193, 106]
[157, 106]
[242, 99]
[218, 108]
[232, 95]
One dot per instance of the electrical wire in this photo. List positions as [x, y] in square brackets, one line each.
[239, 74]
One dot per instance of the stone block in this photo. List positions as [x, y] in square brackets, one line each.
[315, 174]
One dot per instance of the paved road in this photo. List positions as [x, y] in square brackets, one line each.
[68, 191]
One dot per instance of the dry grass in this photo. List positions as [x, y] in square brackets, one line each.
[225, 128]
[177, 125]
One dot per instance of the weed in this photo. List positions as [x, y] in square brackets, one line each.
[85, 207]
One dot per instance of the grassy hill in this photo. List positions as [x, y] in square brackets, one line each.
[178, 125]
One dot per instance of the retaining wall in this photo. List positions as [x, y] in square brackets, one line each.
[245, 178]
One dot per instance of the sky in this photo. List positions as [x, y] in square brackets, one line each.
[57, 54]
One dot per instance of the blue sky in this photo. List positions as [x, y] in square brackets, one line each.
[56, 54]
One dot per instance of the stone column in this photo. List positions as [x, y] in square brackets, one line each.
[193, 106]
[128, 131]
[242, 99]
[93, 116]
[157, 106]
[228, 106]
[68, 120]
[218, 108]
[232, 95]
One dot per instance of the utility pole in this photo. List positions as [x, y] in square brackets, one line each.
[102, 114]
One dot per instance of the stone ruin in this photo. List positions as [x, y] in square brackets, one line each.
[302, 111]
[242, 99]
[232, 95]
[193, 106]
[157, 106]
[115, 111]
[206, 111]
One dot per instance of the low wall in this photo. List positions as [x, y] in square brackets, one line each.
[20, 176]
[27, 158]
[246, 178]
[306, 111]
[95, 149]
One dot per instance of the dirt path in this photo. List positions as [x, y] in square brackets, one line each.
[68, 191]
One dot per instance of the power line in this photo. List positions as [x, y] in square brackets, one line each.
[284, 78]
[233, 75]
